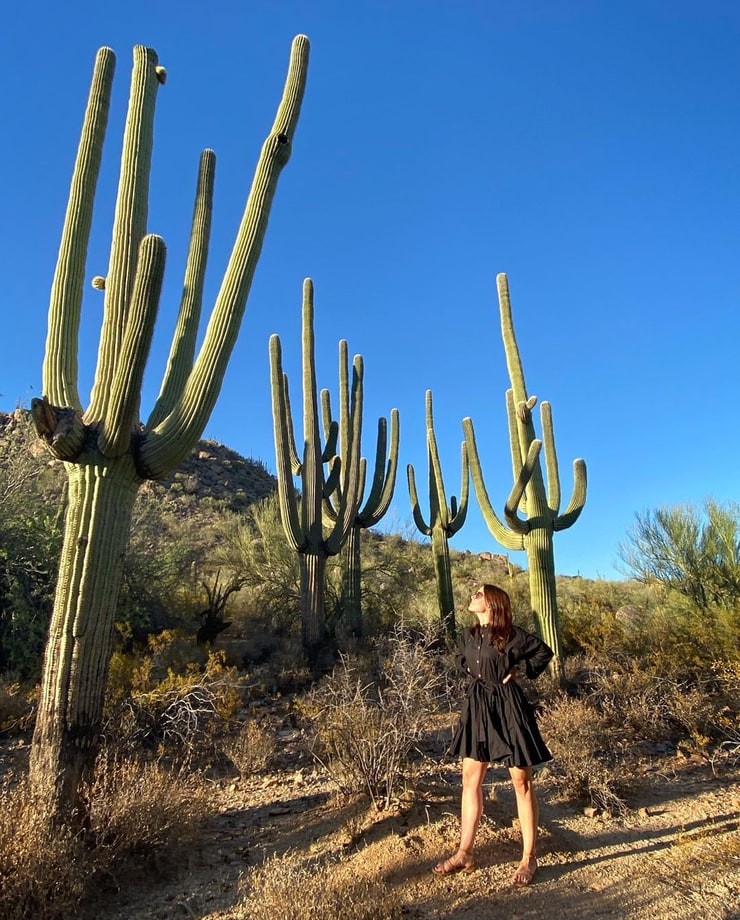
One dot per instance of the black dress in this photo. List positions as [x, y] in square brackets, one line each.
[497, 723]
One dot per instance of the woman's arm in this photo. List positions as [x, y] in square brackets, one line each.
[461, 656]
[535, 654]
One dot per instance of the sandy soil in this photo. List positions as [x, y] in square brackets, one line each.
[674, 855]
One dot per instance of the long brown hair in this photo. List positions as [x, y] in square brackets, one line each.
[499, 603]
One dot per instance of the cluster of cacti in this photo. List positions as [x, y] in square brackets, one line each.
[108, 453]
[378, 501]
[444, 521]
[303, 518]
[541, 505]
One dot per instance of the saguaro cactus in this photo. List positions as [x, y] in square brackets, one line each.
[378, 500]
[444, 521]
[108, 453]
[533, 533]
[303, 522]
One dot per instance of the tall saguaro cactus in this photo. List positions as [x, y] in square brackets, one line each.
[302, 520]
[540, 504]
[444, 521]
[378, 500]
[107, 451]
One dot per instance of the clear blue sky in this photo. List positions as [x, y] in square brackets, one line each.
[589, 149]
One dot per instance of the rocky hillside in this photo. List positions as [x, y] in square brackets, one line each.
[213, 475]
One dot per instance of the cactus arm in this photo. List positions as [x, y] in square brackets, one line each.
[384, 480]
[578, 499]
[129, 225]
[344, 398]
[506, 537]
[182, 352]
[331, 429]
[361, 482]
[312, 472]
[459, 512]
[168, 444]
[60, 369]
[421, 524]
[354, 474]
[517, 524]
[515, 443]
[280, 411]
[330, 447]
[513, 359]
[438, 497]
[330, 456]
[332, 484]
[551, 459]
[326, 416]
[123, 409]
[296, 462]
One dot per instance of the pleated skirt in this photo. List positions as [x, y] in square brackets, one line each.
[498, 725]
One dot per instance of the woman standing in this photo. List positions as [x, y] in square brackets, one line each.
[497, 724]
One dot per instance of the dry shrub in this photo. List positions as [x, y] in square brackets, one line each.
[42, 871]
[17, 708]
[144, 816]
[287, 887]
[634, 702]
[177, 717]
[642, 704]
[251, 749]
[586, 764]
[363, 729]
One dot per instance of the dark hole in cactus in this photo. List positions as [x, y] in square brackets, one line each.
[282, 138]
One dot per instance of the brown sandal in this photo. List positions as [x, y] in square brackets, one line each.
[450, 867]
[525, 873]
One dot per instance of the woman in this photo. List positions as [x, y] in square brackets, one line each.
[497, 724]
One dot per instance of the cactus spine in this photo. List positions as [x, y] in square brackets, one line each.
[378, 500]
[444, 521]
[540, 504]
[303, 523]
[108, 453]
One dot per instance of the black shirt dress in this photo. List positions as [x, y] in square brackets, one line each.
[497, 722]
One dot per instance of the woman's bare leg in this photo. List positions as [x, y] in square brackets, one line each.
[473, 774]
[528, 810]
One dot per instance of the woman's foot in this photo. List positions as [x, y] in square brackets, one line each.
[460, 862]
[526, 871]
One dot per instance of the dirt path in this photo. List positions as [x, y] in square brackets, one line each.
[675, 855]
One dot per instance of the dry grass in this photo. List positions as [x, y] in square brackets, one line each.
[363, 729]
[42, 871]
[17, 708]
[142, 820]
[251, 749]
[144, 816]
[291, 886]
[586, 764]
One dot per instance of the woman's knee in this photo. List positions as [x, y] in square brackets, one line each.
[522, 780]
[473, 772]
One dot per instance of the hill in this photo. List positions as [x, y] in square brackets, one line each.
[213, 475]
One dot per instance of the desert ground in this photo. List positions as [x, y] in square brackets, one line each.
[674, 852]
